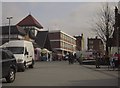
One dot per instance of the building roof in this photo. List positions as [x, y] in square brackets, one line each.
[30, 21]
[42, 40]
[13, 30]
[54, 31]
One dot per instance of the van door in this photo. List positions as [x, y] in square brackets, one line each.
[30, 53]
[26, 56]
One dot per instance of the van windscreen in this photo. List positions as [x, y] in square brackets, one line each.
[16, 50]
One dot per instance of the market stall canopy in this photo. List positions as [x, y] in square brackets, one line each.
[45, 51]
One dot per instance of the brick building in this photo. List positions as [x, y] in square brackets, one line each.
[16, 33]
[95, 44]
[31, 26]
[61, 43]
[79, 42]
[27, 29]
[114, 42]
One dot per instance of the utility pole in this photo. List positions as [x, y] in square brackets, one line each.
[9, 18]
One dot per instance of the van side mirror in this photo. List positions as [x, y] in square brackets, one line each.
[26, 53]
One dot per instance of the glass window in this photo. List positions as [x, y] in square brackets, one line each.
[10, 55]
[91, 42]
[16, 50]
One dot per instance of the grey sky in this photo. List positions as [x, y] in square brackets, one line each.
[73, 18]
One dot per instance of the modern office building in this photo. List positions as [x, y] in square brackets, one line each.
[62, 43]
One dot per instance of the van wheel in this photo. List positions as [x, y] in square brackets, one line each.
[32, 65]
[11, 76]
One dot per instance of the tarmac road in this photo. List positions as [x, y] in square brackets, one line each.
[60, 73]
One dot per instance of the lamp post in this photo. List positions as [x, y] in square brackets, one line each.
[9, 18]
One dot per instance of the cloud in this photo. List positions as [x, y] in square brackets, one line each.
[73, 18]
[77, 19]
[12, 9]
[0, 15]
[59, 0]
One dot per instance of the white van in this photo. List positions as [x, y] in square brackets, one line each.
[24, 53]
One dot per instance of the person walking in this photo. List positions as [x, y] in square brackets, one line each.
[70, 58]
[112, 62]
[97, 60]
[116, 60]
[80, 59]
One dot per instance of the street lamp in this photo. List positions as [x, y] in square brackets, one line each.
[9, 18]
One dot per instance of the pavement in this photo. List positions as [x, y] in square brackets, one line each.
[104, 69]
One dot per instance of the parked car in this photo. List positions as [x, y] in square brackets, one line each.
[66, 57]
[9, 66]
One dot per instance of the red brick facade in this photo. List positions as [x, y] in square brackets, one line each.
[61, 42]
[95, 44]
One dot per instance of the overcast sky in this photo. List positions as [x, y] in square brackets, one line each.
[73, 18]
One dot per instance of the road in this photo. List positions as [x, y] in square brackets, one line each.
[60, 73]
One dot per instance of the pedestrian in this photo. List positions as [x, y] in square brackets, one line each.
[116, 60]
[70, 58]
[112, 61]
[80, 59]
[107, 60]
[97, 60]
[74, 57]
[49, 57]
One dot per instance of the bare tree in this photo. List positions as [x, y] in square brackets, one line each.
[103, 26]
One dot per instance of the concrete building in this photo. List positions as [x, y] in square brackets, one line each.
[61, 43]
[95, 44]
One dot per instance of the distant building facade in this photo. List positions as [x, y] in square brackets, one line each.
[95, 44]
[62, 43]
[16, 33]
[79, 42]
[31, 26]
[114, 42]
[27, 29]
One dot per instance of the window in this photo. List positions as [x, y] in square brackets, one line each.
[16, 50]
[90, 42]
[91, 47]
